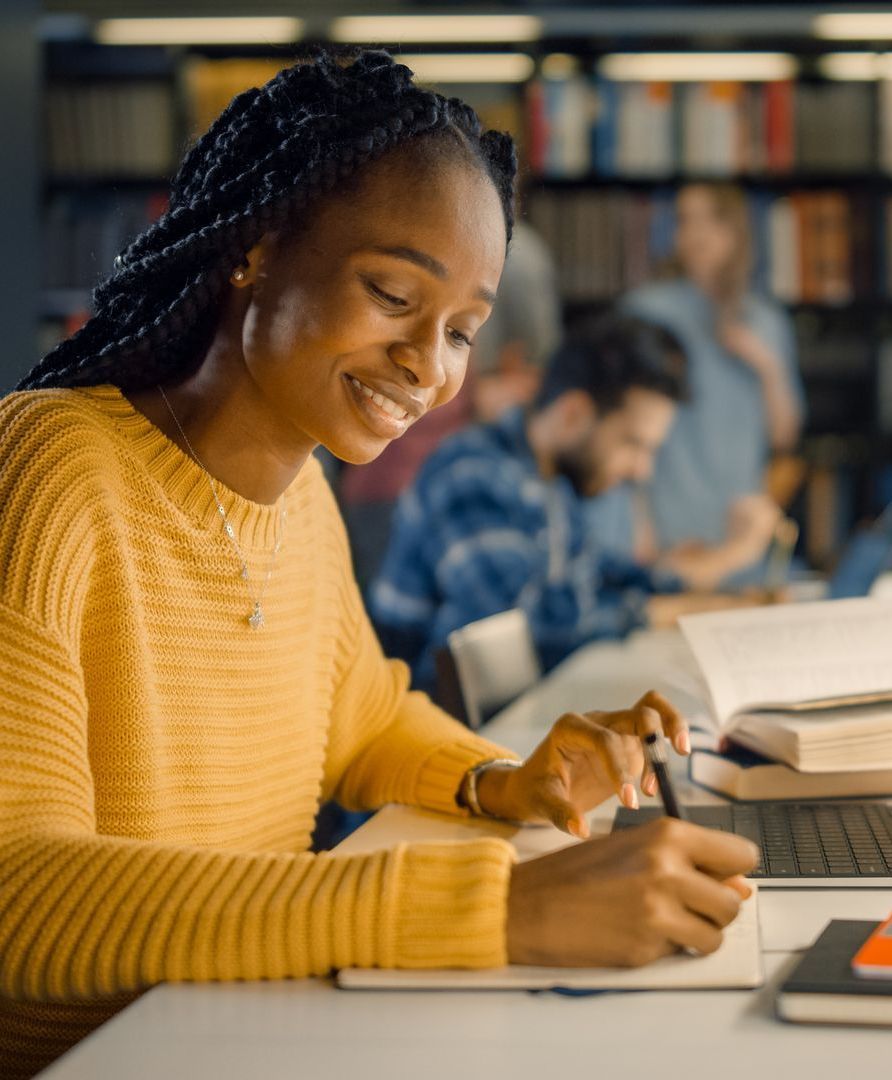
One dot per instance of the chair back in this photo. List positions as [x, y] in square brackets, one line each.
[494, 661]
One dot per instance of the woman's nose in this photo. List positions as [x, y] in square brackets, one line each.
[421, 357]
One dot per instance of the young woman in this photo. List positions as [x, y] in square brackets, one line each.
[746, 397]
[185, 664]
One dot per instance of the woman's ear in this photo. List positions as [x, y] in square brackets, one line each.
[246, 274]
[576, 412]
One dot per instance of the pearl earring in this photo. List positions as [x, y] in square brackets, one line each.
[238, 275]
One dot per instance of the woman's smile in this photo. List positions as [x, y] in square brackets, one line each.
[385, 417]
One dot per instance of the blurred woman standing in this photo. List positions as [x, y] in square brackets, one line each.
[746, 395]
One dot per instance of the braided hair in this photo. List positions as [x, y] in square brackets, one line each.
[272, 153]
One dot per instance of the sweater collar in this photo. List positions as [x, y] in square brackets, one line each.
[185, 482]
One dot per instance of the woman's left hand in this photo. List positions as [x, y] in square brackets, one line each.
[584, 759]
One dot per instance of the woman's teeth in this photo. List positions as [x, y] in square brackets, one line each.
[384, 403]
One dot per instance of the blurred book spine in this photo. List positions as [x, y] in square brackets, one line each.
[606, 240]
[590, 125]
[110, 128]
[84, 230]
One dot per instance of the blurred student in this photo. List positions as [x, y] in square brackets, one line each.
[495, 518]
[512, 347]
[745, 398]
[507, 358]
[866, 560]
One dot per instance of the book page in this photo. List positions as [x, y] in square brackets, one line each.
[854, 740]
[736, 964]
[792, 653]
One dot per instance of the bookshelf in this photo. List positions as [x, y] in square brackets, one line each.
[814, 157]
[601, 164]
[19, 67]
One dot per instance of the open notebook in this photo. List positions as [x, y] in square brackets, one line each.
[737, 964]
[807, 684]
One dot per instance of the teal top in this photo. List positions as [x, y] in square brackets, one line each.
[718, 446]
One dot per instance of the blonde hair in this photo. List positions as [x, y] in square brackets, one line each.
[730, 206]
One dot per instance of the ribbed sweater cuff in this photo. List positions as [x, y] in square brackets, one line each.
[441, 774]
[450, 904]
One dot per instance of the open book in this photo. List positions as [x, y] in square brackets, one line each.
[808, 684]
[735, 965]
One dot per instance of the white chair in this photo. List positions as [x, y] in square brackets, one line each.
[882, 587]
[494, 661]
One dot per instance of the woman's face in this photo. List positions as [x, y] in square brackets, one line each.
[704, 243]
[360, 324]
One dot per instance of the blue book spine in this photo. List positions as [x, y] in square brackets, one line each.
[604, 129]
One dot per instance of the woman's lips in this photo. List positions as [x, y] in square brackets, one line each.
[386, 404]
[381, 414]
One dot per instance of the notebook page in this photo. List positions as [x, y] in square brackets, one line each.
[737, 964]
[792, 653]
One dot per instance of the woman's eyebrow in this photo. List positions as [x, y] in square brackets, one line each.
[429, 263]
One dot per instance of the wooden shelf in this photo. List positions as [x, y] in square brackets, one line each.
[781, 181]
[90, 61]
[104, 183]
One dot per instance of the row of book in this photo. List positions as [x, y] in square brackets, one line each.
[573, 126]
[83, 231]
[586, 125]
[110, 127]
[134, 127]
[811, 246]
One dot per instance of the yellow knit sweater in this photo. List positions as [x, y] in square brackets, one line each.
[161, 763]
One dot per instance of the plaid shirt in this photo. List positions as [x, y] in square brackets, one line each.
[480, 531]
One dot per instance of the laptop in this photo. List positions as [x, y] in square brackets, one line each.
[830, 844]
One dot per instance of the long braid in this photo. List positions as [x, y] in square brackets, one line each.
[268, 156]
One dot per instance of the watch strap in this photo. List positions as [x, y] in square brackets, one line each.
[468, 787]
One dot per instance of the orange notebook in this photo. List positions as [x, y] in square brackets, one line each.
[874, 959]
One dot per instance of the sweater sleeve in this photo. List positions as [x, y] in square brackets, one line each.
[84, 915]
[388, 744]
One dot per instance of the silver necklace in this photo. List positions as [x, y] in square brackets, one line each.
[256, 618]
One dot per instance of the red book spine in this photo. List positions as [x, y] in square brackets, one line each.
[537, 128]
[779, 126]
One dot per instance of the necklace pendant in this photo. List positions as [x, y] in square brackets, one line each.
[255, 619]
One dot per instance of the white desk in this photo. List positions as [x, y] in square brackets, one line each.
[310, 1030]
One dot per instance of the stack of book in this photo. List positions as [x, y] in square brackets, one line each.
[800, 699]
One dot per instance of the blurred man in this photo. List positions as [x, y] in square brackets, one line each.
[495, 519]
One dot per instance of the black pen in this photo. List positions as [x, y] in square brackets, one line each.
[655, 748]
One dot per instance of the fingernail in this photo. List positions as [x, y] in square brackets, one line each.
[683, 742]
[629, 796]
[650, 784]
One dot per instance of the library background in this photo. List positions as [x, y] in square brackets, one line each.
[614, 105]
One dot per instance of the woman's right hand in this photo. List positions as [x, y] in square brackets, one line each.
[628, 898]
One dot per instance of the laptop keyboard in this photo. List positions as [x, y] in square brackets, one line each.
[800, 840]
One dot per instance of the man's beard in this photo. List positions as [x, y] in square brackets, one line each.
[578, 469]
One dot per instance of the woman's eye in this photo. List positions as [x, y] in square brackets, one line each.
[459, 338]
[386, 297]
